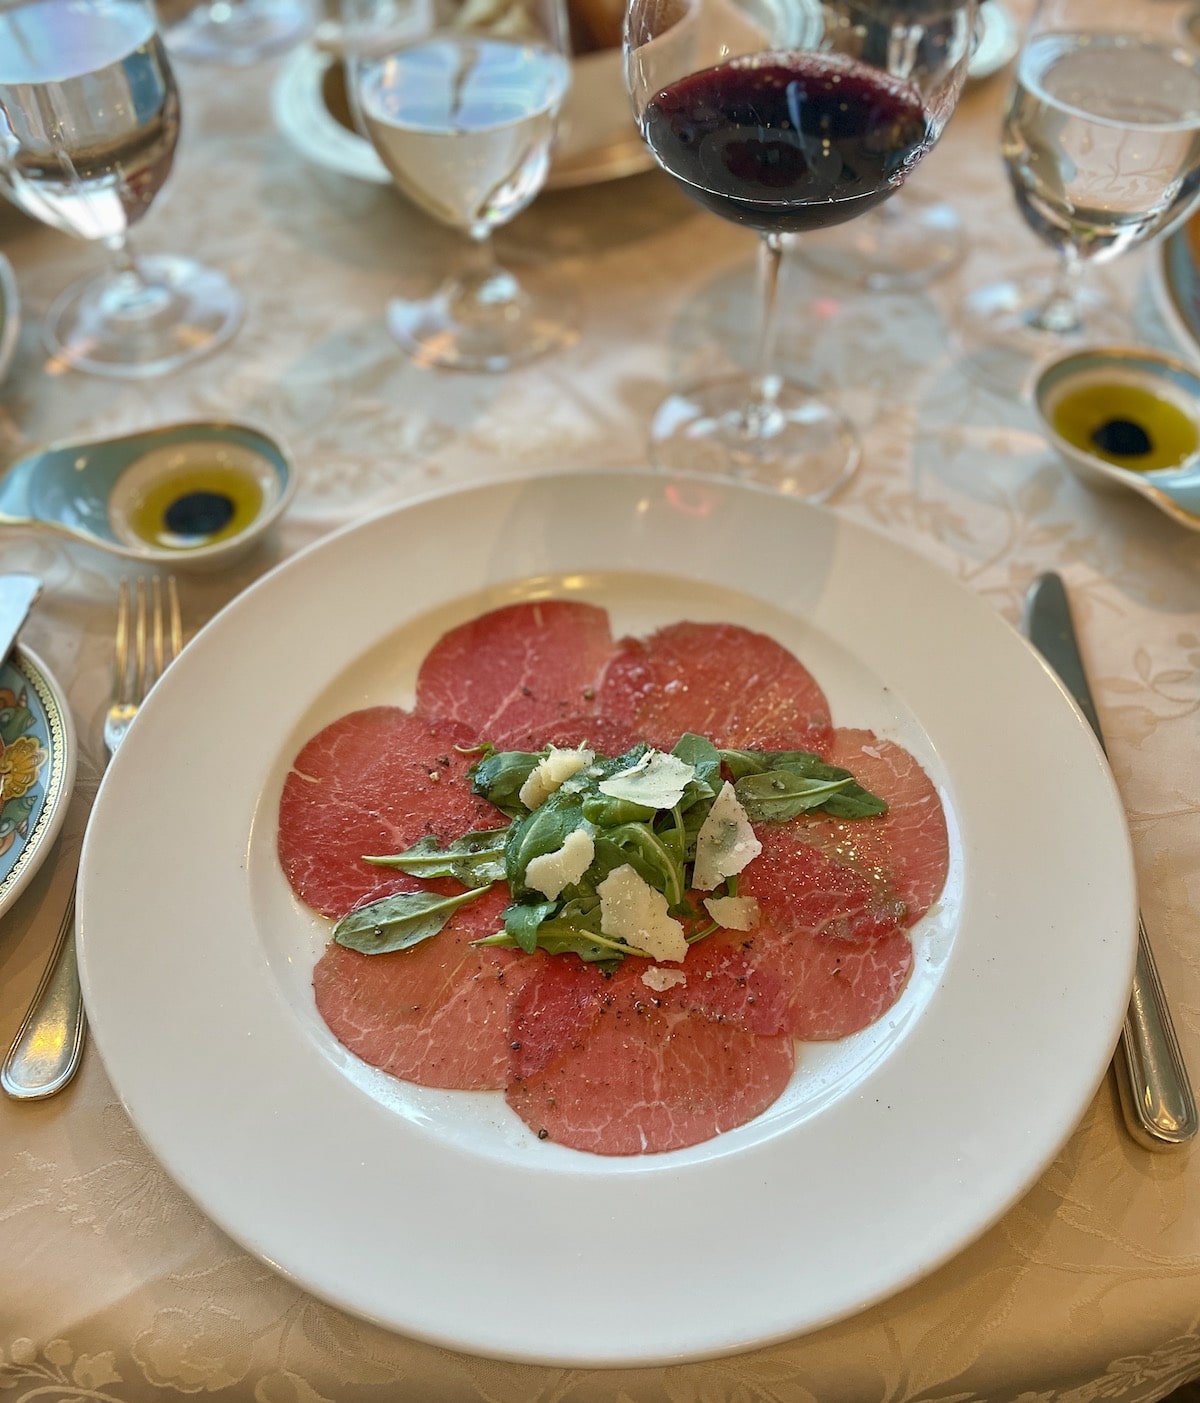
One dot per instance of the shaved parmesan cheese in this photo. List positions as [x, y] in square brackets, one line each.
[551, 872]
[657, 780]
[733, 912]
[548, 774]
[631, 910]
[660, 980]
[725, 843]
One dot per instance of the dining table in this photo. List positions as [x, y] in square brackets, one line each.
[114, 1285]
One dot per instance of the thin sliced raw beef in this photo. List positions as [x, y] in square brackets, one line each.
[518, 673]
[373, 782]
[437, 1014]
[906, 850]
[737, 687]
[832, 937]
[606, 1065]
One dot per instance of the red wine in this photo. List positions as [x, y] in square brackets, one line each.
[785, 142]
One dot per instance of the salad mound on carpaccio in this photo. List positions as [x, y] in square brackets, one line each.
[615, 879]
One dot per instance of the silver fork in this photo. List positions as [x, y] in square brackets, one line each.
[46, 1052]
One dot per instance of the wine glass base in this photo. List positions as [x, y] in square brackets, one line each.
[240, 32]
[795, 443]
[487, 323]
[900, 245]
[185, 311]
[1001, 344]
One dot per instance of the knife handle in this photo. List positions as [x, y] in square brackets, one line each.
[1156, 1096]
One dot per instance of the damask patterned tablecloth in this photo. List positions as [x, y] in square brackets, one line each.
[112, 1284]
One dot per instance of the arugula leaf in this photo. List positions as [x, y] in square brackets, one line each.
[400, 921]
[476, 859]
[780, 795]
[499, 777]
[606, 812]
[543, 831]
[854, 802]
[705, 760]
[558, 937]
[645, 851]
[522, 922]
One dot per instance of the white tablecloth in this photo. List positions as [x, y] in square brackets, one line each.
[112, 1285]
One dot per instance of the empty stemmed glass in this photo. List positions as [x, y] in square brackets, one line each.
[460, 98]
[89, 119]
[785, 116]
[1101, 141]
[238, 32]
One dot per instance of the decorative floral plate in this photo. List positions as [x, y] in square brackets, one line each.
[37, 768]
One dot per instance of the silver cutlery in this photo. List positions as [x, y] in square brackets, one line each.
[1156, 1095]
[46, 1052]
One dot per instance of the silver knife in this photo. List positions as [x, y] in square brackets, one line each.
[1156, 1096]
[17, 596]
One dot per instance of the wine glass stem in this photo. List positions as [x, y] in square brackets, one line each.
[770, 255]
[1061, 313]
[129, 294]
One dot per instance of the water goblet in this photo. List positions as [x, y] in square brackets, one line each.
[238, 32]
[785, 116]
[1101, 141]
[460, 99]
[89, 119]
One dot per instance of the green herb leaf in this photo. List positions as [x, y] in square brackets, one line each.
[604, 811]
[705, 759]
[400, 921]
[522, 922]
[655, 861]
[543, 831]
[499, 777]
[854, 802]
[476, 859]
[780, 795]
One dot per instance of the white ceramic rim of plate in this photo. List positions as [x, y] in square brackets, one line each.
[58, 789]
[372, 1211]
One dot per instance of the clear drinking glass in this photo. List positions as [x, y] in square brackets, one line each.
[238, 32]
[1101, 141]
[460, 98]
[89, 119]
[785, 116]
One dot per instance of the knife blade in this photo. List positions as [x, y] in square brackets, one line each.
[1156, 1095]
[17, 596]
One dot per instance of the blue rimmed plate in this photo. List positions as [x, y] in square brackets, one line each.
[37, 768]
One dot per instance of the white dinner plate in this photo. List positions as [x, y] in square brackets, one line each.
[437, 1213]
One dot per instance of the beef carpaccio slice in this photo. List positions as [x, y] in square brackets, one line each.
[905, 851]
[737, 687]
[609, 1066]
[833, 937]
[373, 782]
[521, 676]
[436, 1014]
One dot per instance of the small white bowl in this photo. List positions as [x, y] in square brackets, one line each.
[1174, 487]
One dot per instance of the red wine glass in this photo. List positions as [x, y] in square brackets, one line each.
[785, 116]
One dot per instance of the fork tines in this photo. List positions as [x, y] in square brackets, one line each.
[149, 635]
